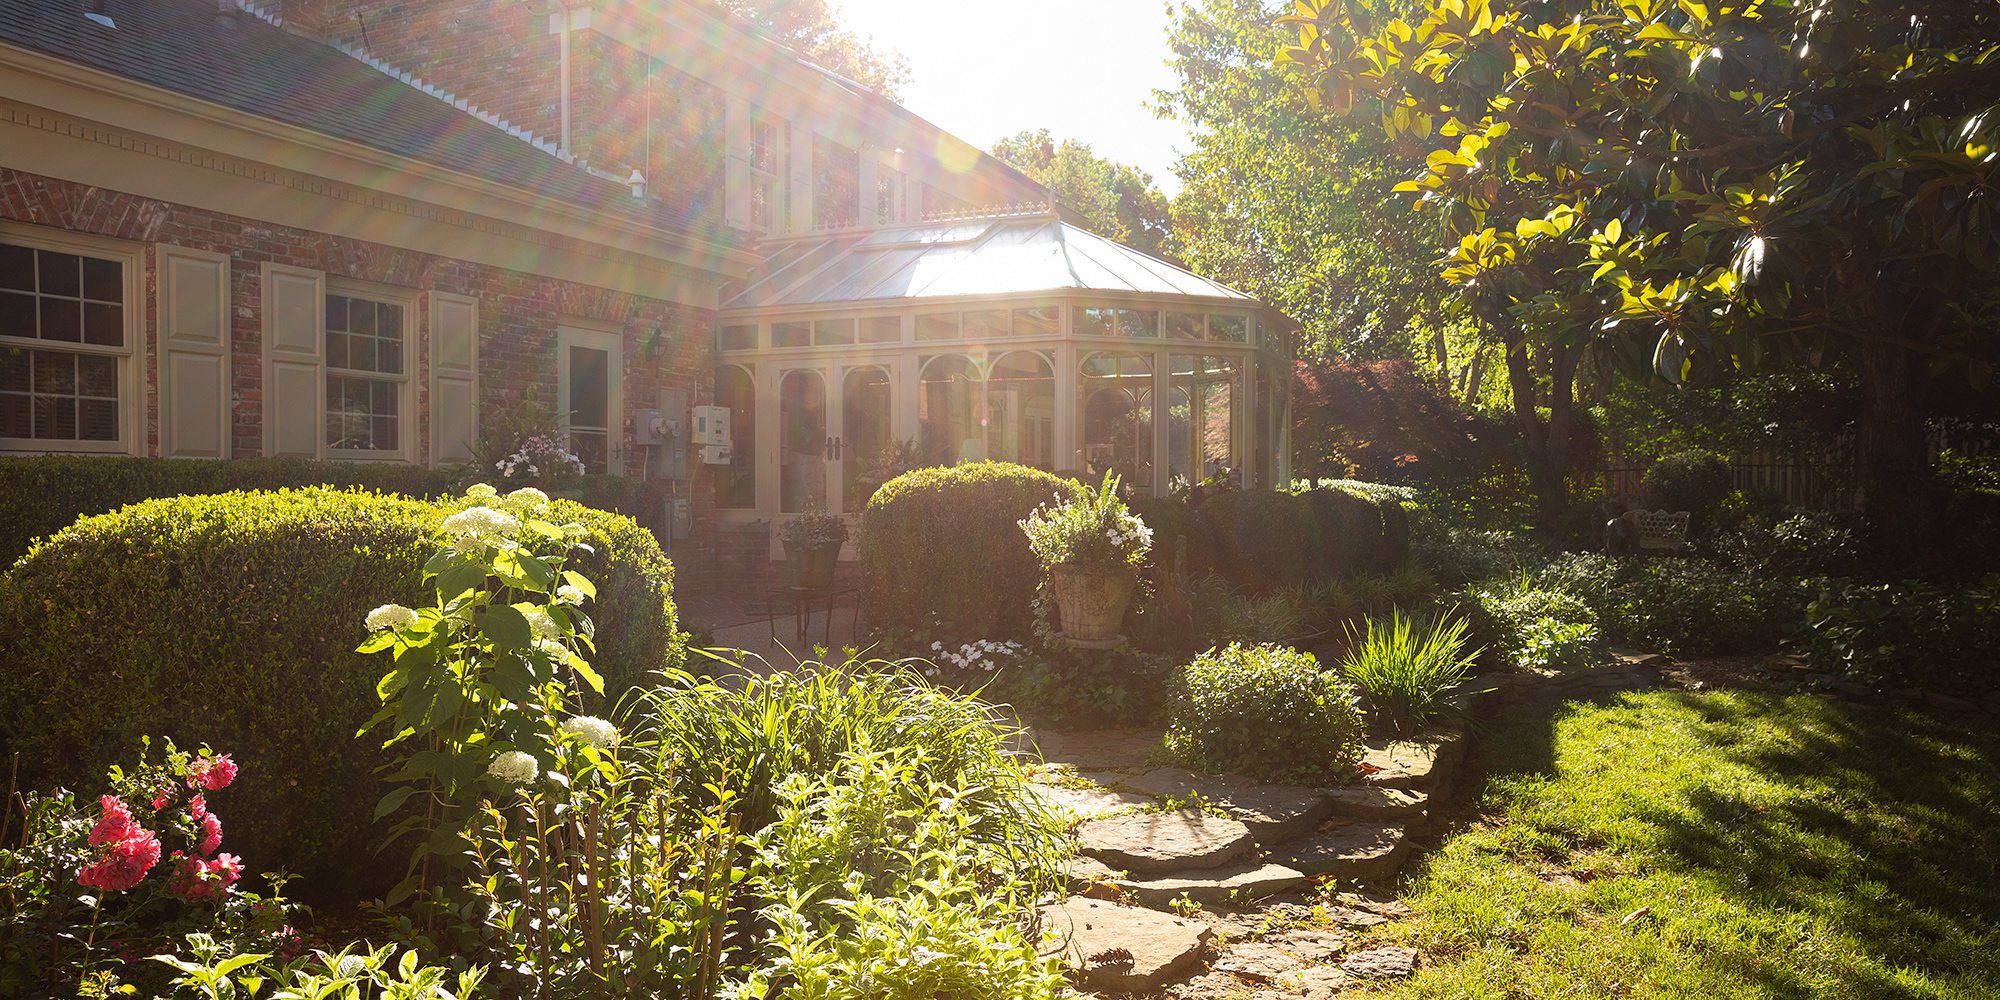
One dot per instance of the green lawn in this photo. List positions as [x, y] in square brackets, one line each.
[1678, 844]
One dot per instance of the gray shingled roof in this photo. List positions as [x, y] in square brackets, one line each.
[254, 67]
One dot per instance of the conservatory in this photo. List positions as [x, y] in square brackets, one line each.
[849, 358]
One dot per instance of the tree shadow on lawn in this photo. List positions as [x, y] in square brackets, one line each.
[1883, 825]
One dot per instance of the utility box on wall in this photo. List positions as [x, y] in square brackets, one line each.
[664, 431]
[711, 425]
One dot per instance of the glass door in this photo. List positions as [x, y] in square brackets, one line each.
[863, 441]
[589, 384]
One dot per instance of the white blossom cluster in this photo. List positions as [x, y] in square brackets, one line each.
[984, 654]
[592, 731]
[528, 495]
[481, 491]
[390, 616]
[538, 454]
[476, 527]
[1130, 529]
[514, 768]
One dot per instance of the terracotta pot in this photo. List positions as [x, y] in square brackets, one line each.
[1092, 599]
[812, 567]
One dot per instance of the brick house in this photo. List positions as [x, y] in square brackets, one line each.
[360, 229]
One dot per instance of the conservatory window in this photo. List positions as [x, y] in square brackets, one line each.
[864, 435]
[948, 413]
[1201, 441]
[1115, 408]
[1021, 410]
[736, 483]
[802, 441]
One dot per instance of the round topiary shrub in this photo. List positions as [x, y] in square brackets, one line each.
[1695, 481]
[944, 554]
[1268, 712]
[1255, 539]
[232, 619]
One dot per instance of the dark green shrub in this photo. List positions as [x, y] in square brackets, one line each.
[1695, 481]
[1907, 633]
[1524, 627]
[1457, 556]
[1794, 543]
[232, 620]
[944, 554]
[1255, 539]
[1681, 606]
[1267, 712]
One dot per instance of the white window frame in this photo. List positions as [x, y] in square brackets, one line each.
[571, 333]
[131, 400]
[766, 178]
[408, 425]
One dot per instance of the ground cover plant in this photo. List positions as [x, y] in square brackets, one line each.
[1267, 712]
[1718, 844]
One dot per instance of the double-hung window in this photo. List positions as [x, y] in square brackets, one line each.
[67, 316]
[367, 376]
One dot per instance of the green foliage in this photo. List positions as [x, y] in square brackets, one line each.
[1907, 633]
[1117, 201]
[812, 28]
[943, 553]
[1260, 540]
[1095, 529]
[212, 970]
[1458, 556]
[1694, 481]
[1407, 668]
[1529, 628]
[232, 619]
[1267, 712]
[1680, 606]
[1794, 543]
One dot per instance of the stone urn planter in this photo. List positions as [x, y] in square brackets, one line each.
[812, 564]
[1091, 599]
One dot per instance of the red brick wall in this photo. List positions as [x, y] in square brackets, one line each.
[667, 344]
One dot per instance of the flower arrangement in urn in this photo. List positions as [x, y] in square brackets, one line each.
[812, 546]
[1091, 548]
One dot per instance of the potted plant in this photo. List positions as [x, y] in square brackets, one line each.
[1091, 548]
[812, 547]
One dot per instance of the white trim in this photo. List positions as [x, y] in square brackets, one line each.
[131, 357]
[572, 333]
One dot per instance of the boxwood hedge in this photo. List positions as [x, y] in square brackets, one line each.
[231, 619]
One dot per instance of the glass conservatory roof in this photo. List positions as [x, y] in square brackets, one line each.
[968, 257]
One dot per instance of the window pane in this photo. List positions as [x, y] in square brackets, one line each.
[882, 330]
[55, 374]
[336, 313]
[103, 280]
[833, 332]
[987, 324]
[1093, 322]
[1021, 410]
[865, 421]
[1039, 321]
[97, 420]
[61, 274]
[17, 315]
[104, 324]
[1138, 323]
[1116, 416]
[937, 326]
[736, 483]
[1235, 329]
[947, 416]
[389, 327]
[1184, 326]
[15, 418]
[97, 376]
[739, 338]
[15, 366]
[361, 414]
[795, 334]
[589, 388]
[55, 418]
[801, 442]
[337, 355]
[17, 270]
[361, 353]
[62, 319]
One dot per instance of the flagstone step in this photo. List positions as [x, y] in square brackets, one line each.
[1164, 841]
[1273, 813]
[1244, 880]
[1361, 850]
[1121, 949]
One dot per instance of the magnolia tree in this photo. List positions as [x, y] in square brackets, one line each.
[1777, 183]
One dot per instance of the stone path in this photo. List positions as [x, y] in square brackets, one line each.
[1208, 887]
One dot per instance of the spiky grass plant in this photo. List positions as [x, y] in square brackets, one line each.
[1407, 667]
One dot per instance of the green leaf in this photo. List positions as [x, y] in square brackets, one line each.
[394, 800]
[584, 670]
[506, 626]
[1657, 32]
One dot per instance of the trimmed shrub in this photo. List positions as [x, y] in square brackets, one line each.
[1253, 538]
[47, 493]
[943, 550]
[232, 620]
[1268, 712]
[1695, 481]
[1794, 543]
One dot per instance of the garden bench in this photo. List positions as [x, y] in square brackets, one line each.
[1659, 530]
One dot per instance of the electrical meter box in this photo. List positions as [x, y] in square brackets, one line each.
[711, 425]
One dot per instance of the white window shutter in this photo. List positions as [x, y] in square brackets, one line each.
[194, 353]
[294, 361]
[454, 378]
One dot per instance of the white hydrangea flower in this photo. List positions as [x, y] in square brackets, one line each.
[569, 593]
[529, 494]
[481, 491]
[390, 616]
[515, 768]
[552, 648]
[474, 527]
[592, 731]
[542, 623]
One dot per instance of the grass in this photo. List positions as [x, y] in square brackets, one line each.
[1724, 844]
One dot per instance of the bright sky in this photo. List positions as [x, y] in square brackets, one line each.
[1083, 69]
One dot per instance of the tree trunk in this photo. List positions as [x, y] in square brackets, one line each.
[1898, 486]
[1547, 443]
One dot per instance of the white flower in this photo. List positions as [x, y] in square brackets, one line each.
[515, 768]
[543, 624]
[552, 648]
[474, 527]
[481, 491]
[529, 494]
[569, 593]
[592, 731]
[390, 616]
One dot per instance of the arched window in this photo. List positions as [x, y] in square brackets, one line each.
[736, 483]
[1201, 442]
[802, 441]
[948, 411]
[1115, 414]
[1021, 410]
[864, 435]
